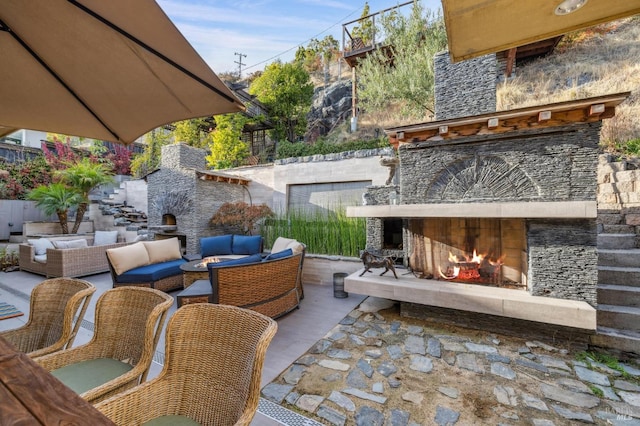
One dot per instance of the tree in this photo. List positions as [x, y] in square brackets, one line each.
[404, 74]
[56, 198]
[316, 53]
[194, 132]
[226, 145]
[148, 161]
[365, 30]
[286, 91]
[82, 177]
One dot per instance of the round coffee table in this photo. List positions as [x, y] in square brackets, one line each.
[191, 271]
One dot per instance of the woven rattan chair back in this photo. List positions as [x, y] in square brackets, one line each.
[128, 324]
[214, 355]
[57, 307]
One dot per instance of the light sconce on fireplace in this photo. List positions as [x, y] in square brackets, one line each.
[569, 6]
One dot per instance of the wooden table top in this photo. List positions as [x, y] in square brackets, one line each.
[30, 395]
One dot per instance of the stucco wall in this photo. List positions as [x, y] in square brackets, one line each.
[269, 184]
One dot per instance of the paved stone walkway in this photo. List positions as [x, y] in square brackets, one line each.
[375, 369]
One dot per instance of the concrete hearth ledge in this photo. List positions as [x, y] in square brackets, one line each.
[473, 298]
[546, 210]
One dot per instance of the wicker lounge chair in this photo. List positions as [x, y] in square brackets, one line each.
[128, 323]
[213, 365]
[56, 310]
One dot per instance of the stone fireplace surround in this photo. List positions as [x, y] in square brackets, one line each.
[537, 165]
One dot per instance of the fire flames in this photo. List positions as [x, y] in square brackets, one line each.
[471, 268]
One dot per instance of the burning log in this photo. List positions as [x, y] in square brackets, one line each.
[478, 267]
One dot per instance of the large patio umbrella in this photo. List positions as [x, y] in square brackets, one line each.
[110, 70]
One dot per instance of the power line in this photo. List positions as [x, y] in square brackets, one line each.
[306, 41]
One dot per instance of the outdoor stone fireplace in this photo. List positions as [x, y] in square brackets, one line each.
[183, 195]
[498, 209]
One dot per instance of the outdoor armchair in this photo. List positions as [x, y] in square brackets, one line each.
[57, 307]
[214, 356]
[128, 323]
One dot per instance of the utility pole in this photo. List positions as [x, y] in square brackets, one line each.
[239, 62]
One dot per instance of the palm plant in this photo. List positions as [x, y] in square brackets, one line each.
[55, 198]
[84, 176]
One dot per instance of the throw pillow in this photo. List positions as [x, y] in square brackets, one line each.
[163, 250]
[128, 257]
[279, 255]
[281, 243]
[63, 244]
[69, 244]
[41, 245]
[296, 247]
[247, 244]
[102, 238]
[212, 246]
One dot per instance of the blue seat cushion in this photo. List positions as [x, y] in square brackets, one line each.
[278, 255]
[254, 258]
[212, 246]
[246, 244]
[153, 272]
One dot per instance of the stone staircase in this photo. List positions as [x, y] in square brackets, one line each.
[618, 315]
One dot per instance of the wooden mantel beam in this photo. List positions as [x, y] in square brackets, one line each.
[539, 117]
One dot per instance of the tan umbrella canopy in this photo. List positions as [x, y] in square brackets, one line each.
[478, 27]
[110, 70]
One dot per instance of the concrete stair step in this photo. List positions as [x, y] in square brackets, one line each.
[609, 217]
[619, 295]
[619, 317]
[616, 241]
[619, 340]
[618, 229]
[619, 275]
[620, 258]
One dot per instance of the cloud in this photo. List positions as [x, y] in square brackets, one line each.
[328, 3]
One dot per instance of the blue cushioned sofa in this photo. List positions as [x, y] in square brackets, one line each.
[154, 264]
[231, 245]
[271, 284]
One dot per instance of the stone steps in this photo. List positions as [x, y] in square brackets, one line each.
[618, 314]
[618, 229]
[620, 258]
[619, 317]
[619, 275]
[619, 295]
[620, 340]
[617, 241]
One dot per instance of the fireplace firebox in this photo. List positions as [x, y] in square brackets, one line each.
[483, 251]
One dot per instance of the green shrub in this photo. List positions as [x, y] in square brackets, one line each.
[631, 147]
[323, 233]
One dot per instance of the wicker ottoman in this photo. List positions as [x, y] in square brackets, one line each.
[198, 292]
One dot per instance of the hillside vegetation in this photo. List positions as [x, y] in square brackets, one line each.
[598, 61]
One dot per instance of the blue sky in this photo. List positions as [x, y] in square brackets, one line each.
[264, 30]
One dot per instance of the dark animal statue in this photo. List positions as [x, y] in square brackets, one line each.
[372, 261]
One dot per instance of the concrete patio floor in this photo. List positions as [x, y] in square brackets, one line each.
[297, 331]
